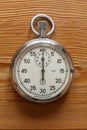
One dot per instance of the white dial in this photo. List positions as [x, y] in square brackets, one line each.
[41, 72]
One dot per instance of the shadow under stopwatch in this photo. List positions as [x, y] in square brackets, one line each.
[38, 110]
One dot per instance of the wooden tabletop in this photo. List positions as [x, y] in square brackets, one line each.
[70, 17]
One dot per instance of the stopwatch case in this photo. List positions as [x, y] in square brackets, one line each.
[35, 43]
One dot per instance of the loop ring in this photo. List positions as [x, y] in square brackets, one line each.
[43, 16]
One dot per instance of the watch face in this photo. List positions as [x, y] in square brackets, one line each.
[42, 70]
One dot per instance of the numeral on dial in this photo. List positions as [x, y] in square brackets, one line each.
[52, 53]
[27, 61]
[59, 60]
[32, 53]
[61, 70]
[33, 87]
[24, 70]
[58, 80]
[43, 49]
[42, 90]
[27, 80]
[52, 87]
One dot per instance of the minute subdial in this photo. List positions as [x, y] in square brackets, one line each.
[38, 58]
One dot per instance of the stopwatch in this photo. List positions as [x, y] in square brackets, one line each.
[42, 69]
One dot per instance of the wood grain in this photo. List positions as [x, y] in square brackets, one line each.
[70, 16]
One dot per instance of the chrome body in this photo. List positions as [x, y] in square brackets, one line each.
[27, 47]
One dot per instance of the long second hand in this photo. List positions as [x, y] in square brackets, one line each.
[42, 81]
[43, 65]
